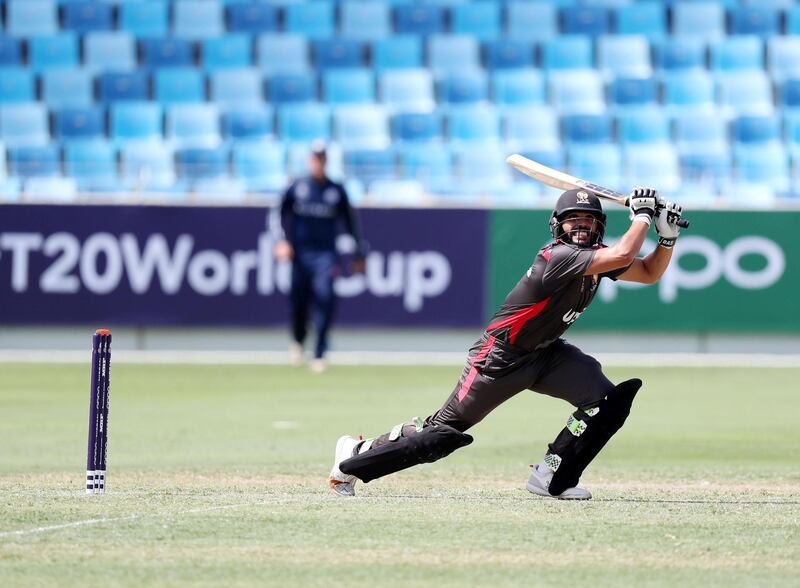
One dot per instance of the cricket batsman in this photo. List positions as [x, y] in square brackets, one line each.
[522, 349]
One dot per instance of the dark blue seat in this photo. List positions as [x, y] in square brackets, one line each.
[585, 20]
[633, 91]
[201, 163]
[9, 51]
[167, 52]
[679, 53]
[587, 128]
[754, 20]
[252, 17]
[369, 165]
[709, 166]
[790, 93]
[464, 88]
[78, 123]
[83, 16]
[417, 126]
[248, 123]
[419, 19]
[756, 129]
[507, 54]
[27, 162]
[300, 87]
[117, 86]
[338, 53]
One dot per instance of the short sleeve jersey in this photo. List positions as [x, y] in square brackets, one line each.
[549, 297]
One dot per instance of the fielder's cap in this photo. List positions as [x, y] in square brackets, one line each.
[319, 148]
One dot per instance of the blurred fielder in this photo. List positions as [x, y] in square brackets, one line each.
[522, 349]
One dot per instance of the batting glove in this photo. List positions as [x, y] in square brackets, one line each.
[667, 216]
[643, 203]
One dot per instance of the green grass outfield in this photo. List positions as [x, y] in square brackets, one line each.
[217, 478]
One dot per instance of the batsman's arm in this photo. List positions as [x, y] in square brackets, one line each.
[620, 254]
[650, 268]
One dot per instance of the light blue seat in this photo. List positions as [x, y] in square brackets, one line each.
[236, 88]
[428, 163]
[642, 18]
[741, 52]
[567, 52]
[756, 129]
[248, 122]
[766, 164]
[361, 127]
[365, 20]
[480, 170]
[197, 19]
[792, 133]
[193, 125]
[680, 54]
[689, 91]
[144, 19]
[60, 50]
[587, 128]
[624, 55]
[135, 121]
[303, 123]
[701, 20]
[417, 127]
[453, 53]
[783, 57]
[228, 52]
[700, 132]
[419, 19]
[653, 165]
[147, 166]
[401, 52]
[478, 19]
[531, 128]
[50, 188]
[585, 20]
[792, 20]
[104, 51]
[508, 54]
[261, 165]
[24, 125]
[627, 93]
[468, 124]
[178, 84]
[763, 21]
[29, 18]
[64, 88]
[746, 92]
[312, 20]
[282, 53]
[601, 162]
[576, 91]
[531, 21]
[16, 85]
[348, 86]
[517, 87]
[407, 89]
[292, 87]
[463, 88]
[643, 126]
[92, 164]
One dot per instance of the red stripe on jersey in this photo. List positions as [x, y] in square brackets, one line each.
[467, 383]
[546, 252]
[516, 321]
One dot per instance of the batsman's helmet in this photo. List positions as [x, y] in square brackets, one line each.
[578, 200]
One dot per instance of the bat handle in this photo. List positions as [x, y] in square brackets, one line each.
[683, 223]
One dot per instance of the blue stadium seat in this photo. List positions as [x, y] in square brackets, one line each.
[365, 20]
[201, 162]
[550, 156]
[417, 127]
[419, 19]
[481, 171]
[84, 16]
[313, 20]
[111, 51]
[407, 89]
[629, 92]
[348, 86]
[466, 88]
[147, 166]
[399, 52]
[783, 57]
[792, 133]
[763, 164]
[333, 53]
[793, 20]
[689, 91]
[302, 123]
[29, 18]
[643, 126]
[453, 53]
[680, 54]
[745, 92]
[250, 122]
[59, 50]
[65, 88]
[24, 125]
[531, 21]
[478, 19]
[576, 91]
[252, 18]
[78, 123]
[429, 163]
[49, 188]
[230, 51]
[135, 122]
[741, 52]
[585, 20]
[516, 87]
[754, 20]
[508, 54]
[260, 165]
[587, 128]
[653, 165]
[297, 87]
[16, 85]
[236, 88]
[166, 52]
[370, 165]
[698, 132]
[361, 127]
[282, 53]
[118, 86]
[473, 124]
[33, 161]
[10, 51]
[178, 84]
[197, 19]
[642, 18]
[92, 164]
[567, 52]
[144, 19]
[531, 128]
[601, 162]
[624, 55]
[704, 21]
[193, 125]
[756, 129]
[790, 94]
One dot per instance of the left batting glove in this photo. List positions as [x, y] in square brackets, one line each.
[667, 216]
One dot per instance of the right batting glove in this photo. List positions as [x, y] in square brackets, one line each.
[667, 217]
[643, 202]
